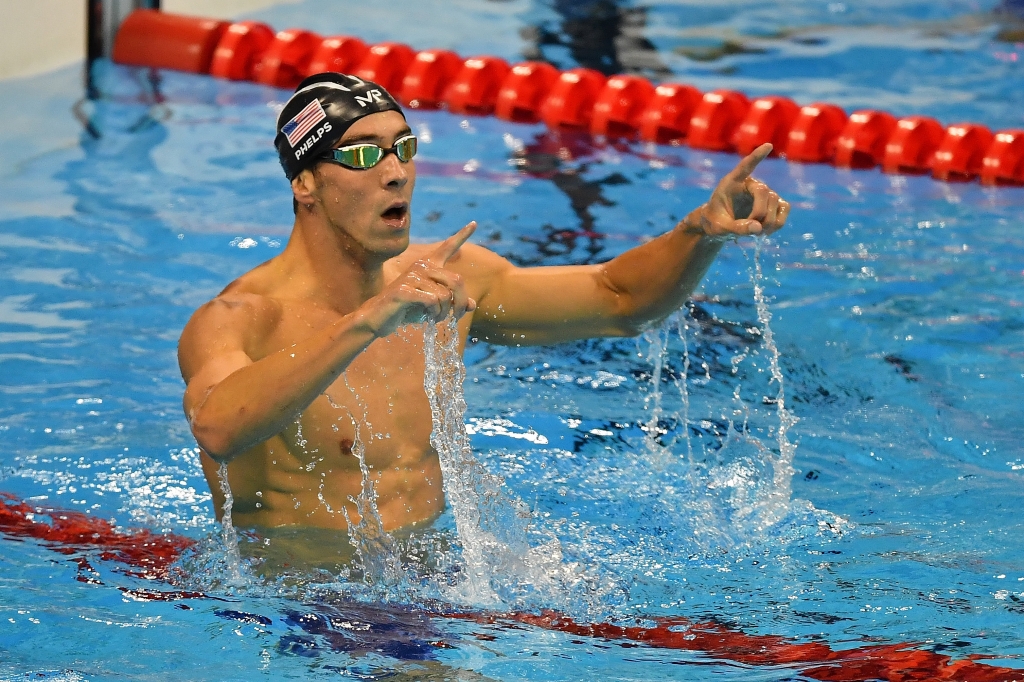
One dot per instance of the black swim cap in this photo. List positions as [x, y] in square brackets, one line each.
[323, 107]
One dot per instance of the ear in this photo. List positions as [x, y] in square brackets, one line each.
[304, 188]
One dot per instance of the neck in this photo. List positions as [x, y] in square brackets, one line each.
[329, 265]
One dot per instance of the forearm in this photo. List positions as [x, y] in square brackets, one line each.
[653, 280]
[260, 400]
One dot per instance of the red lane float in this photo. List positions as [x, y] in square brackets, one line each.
[152, 38]
[240, 49]
[1004, 161]
[769, 119]
[151, 555]
[579, 99]
[337, 53]
[716, 118]
[570, 103]
[385, 64]
[476, 85]
[817, 127]
[666, 120]
[620, 105]
[960, 153]
[286, 61]
[862, 142]
[524, 90]
[911, 147]
[427, 77]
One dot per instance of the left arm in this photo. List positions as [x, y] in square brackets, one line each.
[641, 286]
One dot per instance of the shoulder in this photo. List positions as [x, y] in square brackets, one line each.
[480, 268]
[235, 320]
[476, 264]
[474, 256]
[236, 307]
[249, 301]
[468, 257]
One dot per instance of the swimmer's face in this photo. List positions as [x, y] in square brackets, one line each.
[370, 208]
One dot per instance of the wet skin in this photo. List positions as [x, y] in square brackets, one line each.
[300, 359]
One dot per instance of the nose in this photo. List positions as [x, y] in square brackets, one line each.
[394, 174]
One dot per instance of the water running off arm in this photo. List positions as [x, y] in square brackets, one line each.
[235, 399]
[640, 287]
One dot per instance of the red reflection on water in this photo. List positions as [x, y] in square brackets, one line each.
[70, 531]
[893, 662]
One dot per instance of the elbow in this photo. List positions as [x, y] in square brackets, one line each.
[629, 326]
[214, 439]
[630, 314]
[632, 318]
[629, 319]
[635, 305]
[624, 316]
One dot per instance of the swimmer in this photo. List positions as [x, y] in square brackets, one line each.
[304, 356]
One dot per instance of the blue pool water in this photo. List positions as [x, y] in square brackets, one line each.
[897, 305]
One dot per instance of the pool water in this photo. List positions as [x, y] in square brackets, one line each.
[896, 305]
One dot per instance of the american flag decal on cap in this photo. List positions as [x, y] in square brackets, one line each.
[303, 122]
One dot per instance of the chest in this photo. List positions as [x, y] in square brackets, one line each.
[378, 401]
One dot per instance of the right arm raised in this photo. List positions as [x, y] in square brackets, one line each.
[234, 402]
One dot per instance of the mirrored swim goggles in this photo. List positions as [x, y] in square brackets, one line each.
[365, 155]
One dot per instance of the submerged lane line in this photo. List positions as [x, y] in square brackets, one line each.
[152, 554]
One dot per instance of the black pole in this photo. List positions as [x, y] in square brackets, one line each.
[103, 17]
[93, 42]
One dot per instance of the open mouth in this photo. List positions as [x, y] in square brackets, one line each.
[396, 214]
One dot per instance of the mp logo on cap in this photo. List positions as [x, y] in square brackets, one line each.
[371, 97]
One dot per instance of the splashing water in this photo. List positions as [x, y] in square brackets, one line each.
[461, 473]
[682, 329]
[776, 503]
[737, 485]
[498, 563]
[376, 549]
[232, 557]
[657, 346]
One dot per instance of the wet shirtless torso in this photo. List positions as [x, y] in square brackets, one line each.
[307, 474]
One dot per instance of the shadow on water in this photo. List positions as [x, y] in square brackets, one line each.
[549, 157]
[603, 35]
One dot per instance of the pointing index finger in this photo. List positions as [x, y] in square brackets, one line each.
[745, 168]
[449, 247]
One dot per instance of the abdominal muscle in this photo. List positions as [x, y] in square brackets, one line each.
[308, 474]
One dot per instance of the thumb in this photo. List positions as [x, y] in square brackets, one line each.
[742, 227]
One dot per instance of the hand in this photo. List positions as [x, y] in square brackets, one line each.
[741, 205]
[424, 292]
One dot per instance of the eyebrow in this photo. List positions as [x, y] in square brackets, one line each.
[372, 137]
